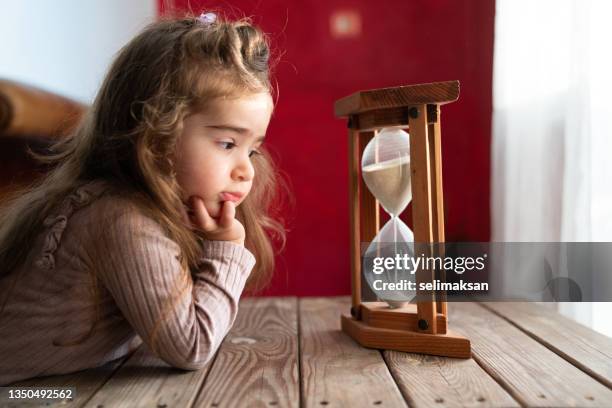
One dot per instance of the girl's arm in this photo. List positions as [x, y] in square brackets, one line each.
[182, 318]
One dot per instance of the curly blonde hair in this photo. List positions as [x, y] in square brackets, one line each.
[172, 69]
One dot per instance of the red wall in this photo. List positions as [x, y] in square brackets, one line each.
[402, 42]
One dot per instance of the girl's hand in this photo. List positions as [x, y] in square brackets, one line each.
[225, 228]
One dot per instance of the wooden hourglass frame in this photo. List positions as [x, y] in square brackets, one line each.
[420, 327]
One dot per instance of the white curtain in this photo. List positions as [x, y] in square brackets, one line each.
[552, 129]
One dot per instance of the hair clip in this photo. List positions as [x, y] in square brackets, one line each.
[207, 18]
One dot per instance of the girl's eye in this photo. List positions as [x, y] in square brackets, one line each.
[254, 153]
[227, 145]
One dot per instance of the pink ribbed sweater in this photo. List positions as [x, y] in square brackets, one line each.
[145, 294]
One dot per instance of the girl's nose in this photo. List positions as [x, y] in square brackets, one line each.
[244, 171]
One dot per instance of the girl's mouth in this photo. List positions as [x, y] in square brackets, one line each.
[233, 196]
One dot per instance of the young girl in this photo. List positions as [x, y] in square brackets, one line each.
[149, 227]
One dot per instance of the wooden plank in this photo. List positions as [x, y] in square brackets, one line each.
[354, 161]
[435, 92]
[86, 383]
[147, 381]
[369, 214]
[434, 135]
[380, 118]
[420, 178]
[369, 217]
[429, 381]
[364, 218]
[391, 117]
[257, 364]
[585, 348]
[531, 373]
[336, 371]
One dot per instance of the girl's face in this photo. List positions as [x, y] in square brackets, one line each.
[216, 147]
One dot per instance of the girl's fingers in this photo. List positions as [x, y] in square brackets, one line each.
[207, 223]
[228, 213]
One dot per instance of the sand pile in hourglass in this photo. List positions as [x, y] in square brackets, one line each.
[389, 182]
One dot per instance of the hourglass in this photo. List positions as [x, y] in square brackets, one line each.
[385, 170]
[395, 158]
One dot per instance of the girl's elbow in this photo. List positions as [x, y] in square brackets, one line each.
[194, 358]
[192, 351]
[191, 363]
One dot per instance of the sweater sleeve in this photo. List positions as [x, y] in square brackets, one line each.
[181, 316]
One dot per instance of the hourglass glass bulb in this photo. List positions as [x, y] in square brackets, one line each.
[385, 167]
[381, 268]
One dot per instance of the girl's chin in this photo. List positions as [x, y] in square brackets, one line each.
[214, 209]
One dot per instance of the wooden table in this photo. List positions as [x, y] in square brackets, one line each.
[289, 352]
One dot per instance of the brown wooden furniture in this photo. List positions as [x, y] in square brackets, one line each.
[422, 327]
[288, 352]
[30, 118]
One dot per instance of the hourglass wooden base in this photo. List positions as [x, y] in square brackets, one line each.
[448, 344]
[379, 314]
[420, 328]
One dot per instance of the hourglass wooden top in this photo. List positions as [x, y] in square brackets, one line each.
[438, 93]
